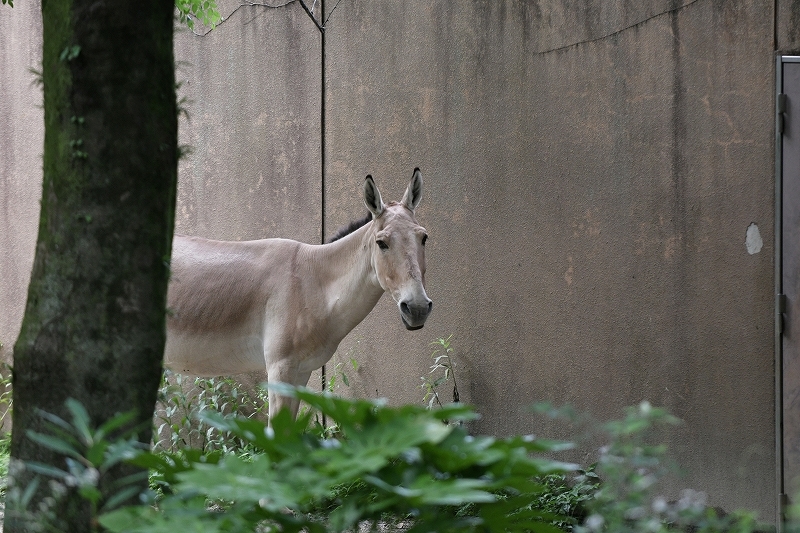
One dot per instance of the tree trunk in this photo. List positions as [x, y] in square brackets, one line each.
[94, 322]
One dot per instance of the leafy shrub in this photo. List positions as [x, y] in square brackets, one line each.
[90, 453]
[396, 466]
[569, 496]
[629, 468]
[205, 11]
[389, 463]
[5, 418]
[443, 365]
[181, 399]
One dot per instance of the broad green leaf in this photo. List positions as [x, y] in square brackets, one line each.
[97, 452]
[53, 443]
[47, 470]
[89, 492]
[116, 423]
[80, 420]
[120, 497]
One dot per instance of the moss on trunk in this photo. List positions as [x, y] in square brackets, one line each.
[94, 322]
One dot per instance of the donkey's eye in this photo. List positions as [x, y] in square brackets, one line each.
[424, 239]
[382, 244]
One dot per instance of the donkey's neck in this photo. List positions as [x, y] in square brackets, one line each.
[348, 278]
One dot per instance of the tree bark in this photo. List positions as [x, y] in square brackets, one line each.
[94, 323]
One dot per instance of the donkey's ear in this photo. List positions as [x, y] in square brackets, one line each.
[372, 198]
[414, 191]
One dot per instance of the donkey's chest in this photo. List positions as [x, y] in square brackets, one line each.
[305, 338]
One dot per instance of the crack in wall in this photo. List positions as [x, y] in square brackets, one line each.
[620, 31]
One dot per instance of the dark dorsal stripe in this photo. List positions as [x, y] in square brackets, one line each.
[350, 228]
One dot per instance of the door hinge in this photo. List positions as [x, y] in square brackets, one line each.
[783, 506]
[781, 117]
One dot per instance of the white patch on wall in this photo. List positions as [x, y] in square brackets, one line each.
[753, 239]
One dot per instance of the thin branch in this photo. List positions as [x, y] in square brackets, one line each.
[325, 24]
[248, 3]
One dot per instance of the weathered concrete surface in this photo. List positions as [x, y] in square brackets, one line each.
[588, 190]
[591, 171]
[252, 90]
[21, 144]
[788, 26]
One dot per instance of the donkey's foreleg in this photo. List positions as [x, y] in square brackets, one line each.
[285, 373]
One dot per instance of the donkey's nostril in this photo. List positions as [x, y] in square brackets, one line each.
[418, 310]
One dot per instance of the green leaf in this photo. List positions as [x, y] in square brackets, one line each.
[439, 381]
[145, 519]
[96, 453]
[207, 12]
[117, 452]
[70, 52]
[247, 481]
[55, 420]
[90, 492]
[80, 420]
[120, 497]
[29, 491]
[116, 423]
[53, 443]
[47, 470]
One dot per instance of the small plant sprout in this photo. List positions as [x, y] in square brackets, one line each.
[443, 365]
[339, 374]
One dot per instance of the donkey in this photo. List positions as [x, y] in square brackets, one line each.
[285, 306]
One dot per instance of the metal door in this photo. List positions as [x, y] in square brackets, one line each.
[788, 301]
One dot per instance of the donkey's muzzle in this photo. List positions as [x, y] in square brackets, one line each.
[414, 314]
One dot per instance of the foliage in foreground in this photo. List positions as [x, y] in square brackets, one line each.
[387, 466]
[624, 497]
[89, 456]
[399, 461]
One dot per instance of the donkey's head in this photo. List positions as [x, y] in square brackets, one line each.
[398, 250]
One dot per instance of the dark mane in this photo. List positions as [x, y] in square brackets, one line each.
[350, 228]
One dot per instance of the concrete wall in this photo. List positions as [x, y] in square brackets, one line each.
[252, 95]
[787, 25]
[589, 186]
[590, 168]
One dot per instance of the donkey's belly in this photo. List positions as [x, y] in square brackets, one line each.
[217, 354]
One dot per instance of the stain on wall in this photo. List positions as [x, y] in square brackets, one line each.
[788, 25]
[753, 240]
